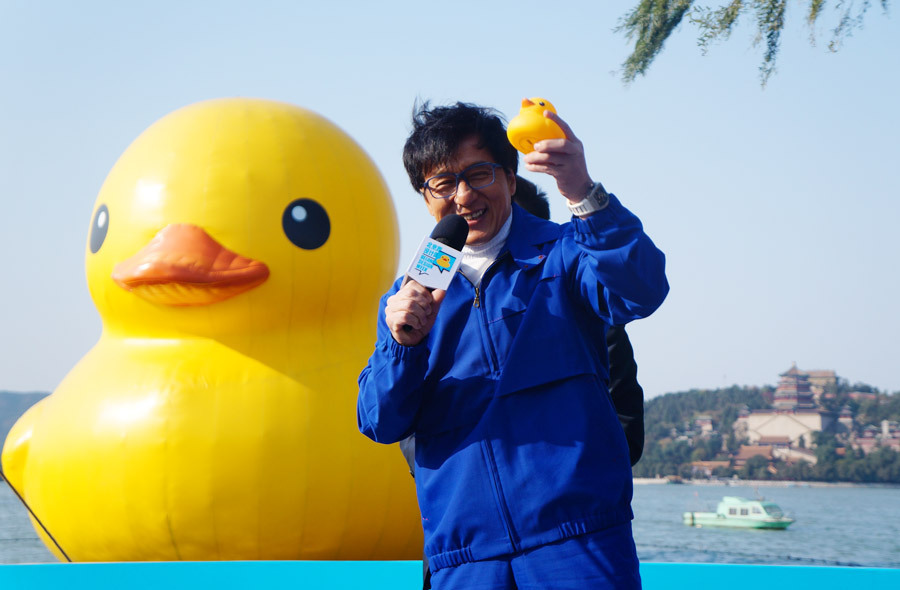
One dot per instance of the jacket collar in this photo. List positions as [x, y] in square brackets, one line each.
[526, 236]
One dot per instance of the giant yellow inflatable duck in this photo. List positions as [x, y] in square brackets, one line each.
[236, 255]
[531, 126]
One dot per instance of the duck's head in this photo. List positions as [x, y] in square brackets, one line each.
[537, 105]
[239, 215]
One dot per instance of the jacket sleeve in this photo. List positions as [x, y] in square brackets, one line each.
[390, 387]
[617, 269]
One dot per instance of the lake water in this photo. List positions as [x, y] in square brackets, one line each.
[18, 541]
[853, 526]
[857, 526]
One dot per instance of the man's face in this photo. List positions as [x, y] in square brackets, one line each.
[484, 209]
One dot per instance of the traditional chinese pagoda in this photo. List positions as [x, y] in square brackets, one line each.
[793, 390]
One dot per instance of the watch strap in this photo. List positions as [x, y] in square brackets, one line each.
[596, 199]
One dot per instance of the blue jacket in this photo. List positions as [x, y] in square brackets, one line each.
[517, 442]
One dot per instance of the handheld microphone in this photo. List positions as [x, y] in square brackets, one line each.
[434, 266]
[452, 230]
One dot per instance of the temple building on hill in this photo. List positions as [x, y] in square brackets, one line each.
[811, 386]
[792, 420]
[793, 390]
[873, 438]
[704, 424]
[785, 431]
[845, 423]
[821, 381]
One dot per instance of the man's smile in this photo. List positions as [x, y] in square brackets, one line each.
[474, 215]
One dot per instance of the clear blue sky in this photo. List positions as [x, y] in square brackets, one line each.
[777, 209]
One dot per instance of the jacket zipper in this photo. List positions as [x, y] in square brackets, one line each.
[504, 508]
[489, 452]
[495, 365]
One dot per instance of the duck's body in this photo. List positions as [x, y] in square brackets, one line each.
[223, 426]
[531, 126]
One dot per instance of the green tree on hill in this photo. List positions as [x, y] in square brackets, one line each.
[756, 467]
[675, 412]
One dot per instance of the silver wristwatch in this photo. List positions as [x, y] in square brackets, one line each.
[595, 200]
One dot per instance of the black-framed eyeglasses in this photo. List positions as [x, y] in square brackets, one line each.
[480, 175]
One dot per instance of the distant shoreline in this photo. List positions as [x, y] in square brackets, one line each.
[762, 483]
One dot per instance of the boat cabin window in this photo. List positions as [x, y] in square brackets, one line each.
[773, 510]
[756, 510]
[744, 512]
[732, 511]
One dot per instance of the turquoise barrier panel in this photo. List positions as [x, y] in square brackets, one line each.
[400, 575]
[697, 576]
[244, 575]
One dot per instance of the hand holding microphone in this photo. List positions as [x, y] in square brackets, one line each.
[410, 313]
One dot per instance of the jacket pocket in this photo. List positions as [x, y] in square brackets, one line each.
[548, 341]
[454, 403]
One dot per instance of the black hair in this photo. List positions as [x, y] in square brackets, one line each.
[532, 198]
[438, 132]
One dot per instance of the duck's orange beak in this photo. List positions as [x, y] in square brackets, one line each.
[184, 265]
[527, 103]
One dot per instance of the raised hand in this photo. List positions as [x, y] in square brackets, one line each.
[563, 159]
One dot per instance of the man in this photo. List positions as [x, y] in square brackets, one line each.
[522, 470]
[624, 390]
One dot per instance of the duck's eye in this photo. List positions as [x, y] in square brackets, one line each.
[99, 227]
[306, 224]
[542, 104]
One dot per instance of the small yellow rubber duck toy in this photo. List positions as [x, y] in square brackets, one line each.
[215, 419]
[531, 126]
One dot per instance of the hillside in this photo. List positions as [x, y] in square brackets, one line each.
[671, 443]
[696, 425]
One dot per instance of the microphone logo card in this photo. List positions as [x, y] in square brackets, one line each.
[434, 264]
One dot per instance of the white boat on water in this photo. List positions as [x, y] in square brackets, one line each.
[734, 511]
